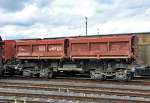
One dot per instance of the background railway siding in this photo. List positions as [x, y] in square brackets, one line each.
[73, 96]
[12, 99]
[75, 91]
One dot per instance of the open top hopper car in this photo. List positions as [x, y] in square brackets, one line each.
[105, 57]
[100, 57]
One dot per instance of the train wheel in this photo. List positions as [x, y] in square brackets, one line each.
[122, 76]
[27, 73]
[1, 73]
[129, 77]
[92, 75]
[103, 77]
[50, 75]
[11, 71]
[97, 75]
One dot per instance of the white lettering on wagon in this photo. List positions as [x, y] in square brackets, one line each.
[55, 48]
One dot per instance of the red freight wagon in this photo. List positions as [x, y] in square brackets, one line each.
[101, 47]
[99, 57]
[9, 49]
[40, 49]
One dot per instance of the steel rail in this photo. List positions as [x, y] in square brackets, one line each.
[71, 97]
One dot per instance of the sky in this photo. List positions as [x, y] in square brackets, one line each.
[23, 19]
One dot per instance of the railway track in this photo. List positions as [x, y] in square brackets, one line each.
[136, 81]
[69, 91]
[78, 89]
[20, 93]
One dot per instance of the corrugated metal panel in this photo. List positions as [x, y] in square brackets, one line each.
[144, 48]
[41, 49]
[145, 54]
[9, 49]
[144, 39]
[104, 47]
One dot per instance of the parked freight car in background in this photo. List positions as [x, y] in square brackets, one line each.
[144, 45]
[1, 58]
[144, 53]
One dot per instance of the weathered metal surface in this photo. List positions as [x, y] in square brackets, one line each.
[1, 51]
[144, 48]
[101, 47]
[144, 39]
[9, 49]
[40, 49]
